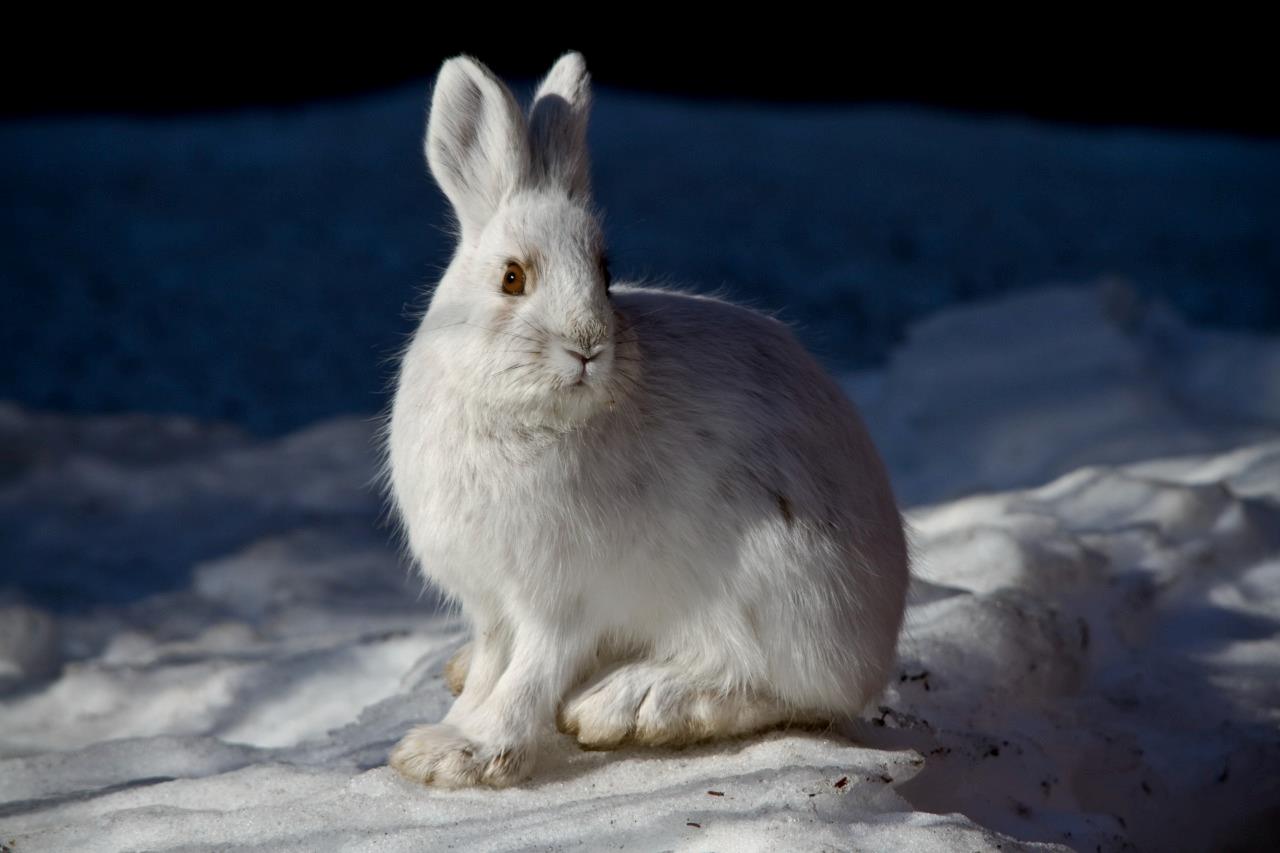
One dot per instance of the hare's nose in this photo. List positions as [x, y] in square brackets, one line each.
[585, 357]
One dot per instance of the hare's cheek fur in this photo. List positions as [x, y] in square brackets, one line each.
[681, 533]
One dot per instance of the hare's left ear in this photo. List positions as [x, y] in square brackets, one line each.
[558, 126]
[475, 142]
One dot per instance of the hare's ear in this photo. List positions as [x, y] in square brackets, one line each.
[558, 126]
[476, 141]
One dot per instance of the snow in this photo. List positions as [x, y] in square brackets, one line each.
[1066, 377]
[209, 640]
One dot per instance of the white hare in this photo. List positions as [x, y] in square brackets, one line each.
[664, 522]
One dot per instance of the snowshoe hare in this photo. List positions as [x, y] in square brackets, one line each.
[663, 521]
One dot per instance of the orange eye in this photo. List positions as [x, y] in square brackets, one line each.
[513, 279]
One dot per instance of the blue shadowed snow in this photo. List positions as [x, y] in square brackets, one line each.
[263, 267]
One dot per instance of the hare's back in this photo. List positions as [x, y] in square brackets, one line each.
[737, 385]
[707, 358]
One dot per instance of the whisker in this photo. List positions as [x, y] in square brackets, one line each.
[512, 367]
[537, 329]
[482, 328]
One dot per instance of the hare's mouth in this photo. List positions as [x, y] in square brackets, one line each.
[582, 384]
[580, 370]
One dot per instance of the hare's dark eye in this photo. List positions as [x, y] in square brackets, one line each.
[513, 279]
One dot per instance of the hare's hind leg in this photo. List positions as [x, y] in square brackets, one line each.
[656, 704]
[455, 669]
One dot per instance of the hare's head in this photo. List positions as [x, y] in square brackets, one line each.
[525, 302]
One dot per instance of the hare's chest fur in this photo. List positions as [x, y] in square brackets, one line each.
[499, 511]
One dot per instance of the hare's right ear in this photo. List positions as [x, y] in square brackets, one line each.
[558, 126]
[476, 141]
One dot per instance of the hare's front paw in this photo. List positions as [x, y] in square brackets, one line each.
[442, 755]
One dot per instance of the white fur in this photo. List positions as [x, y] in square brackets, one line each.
[691, 536]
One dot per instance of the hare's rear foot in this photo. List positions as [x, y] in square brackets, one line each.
[442, 755]
[655, 705]
[456, 668]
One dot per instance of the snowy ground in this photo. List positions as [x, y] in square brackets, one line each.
[1092, 656]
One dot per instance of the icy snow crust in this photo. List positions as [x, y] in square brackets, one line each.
[1092, 661]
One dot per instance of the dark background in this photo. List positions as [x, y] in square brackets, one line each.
[1207, 80]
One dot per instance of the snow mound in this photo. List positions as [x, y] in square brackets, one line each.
[1015, 392]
